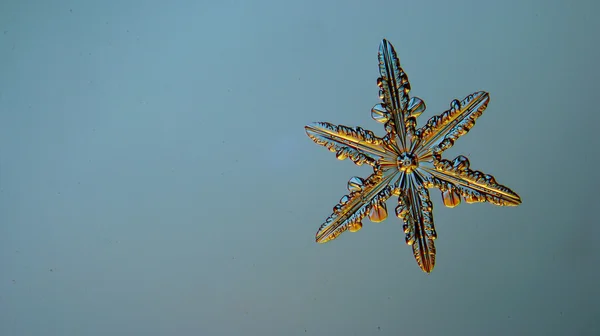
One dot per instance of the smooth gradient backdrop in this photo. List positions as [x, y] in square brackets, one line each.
[156, 179]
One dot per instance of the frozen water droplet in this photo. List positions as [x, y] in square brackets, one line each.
[380, 114]
[355, 226]
[455, 105]
[341, 154]
[378, 213]
[416, 106]
[345, 199]
[337, 209]
[401, 211]
[451, 198]
[490, 179]
[355, 184]
[461, 163]
[471, 198]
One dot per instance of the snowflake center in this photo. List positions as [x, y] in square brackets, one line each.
[407, 162]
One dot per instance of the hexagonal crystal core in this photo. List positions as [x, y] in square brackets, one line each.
[407, 162]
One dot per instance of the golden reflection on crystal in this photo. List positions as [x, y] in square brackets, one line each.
[353, 227]
[451, 198]
[378, 213]
[406, 162]
[470, 199]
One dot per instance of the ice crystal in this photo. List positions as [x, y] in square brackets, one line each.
[407, 162]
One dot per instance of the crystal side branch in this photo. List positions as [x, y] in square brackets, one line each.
[407, 162]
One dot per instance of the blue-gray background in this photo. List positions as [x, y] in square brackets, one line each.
[155, 177]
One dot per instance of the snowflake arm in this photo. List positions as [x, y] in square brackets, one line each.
[393, 90]
[367, 197]
[360, 145]
[442, 130]
[416, 211]
[456, 179]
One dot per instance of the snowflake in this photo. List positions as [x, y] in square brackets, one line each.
[406, 162]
